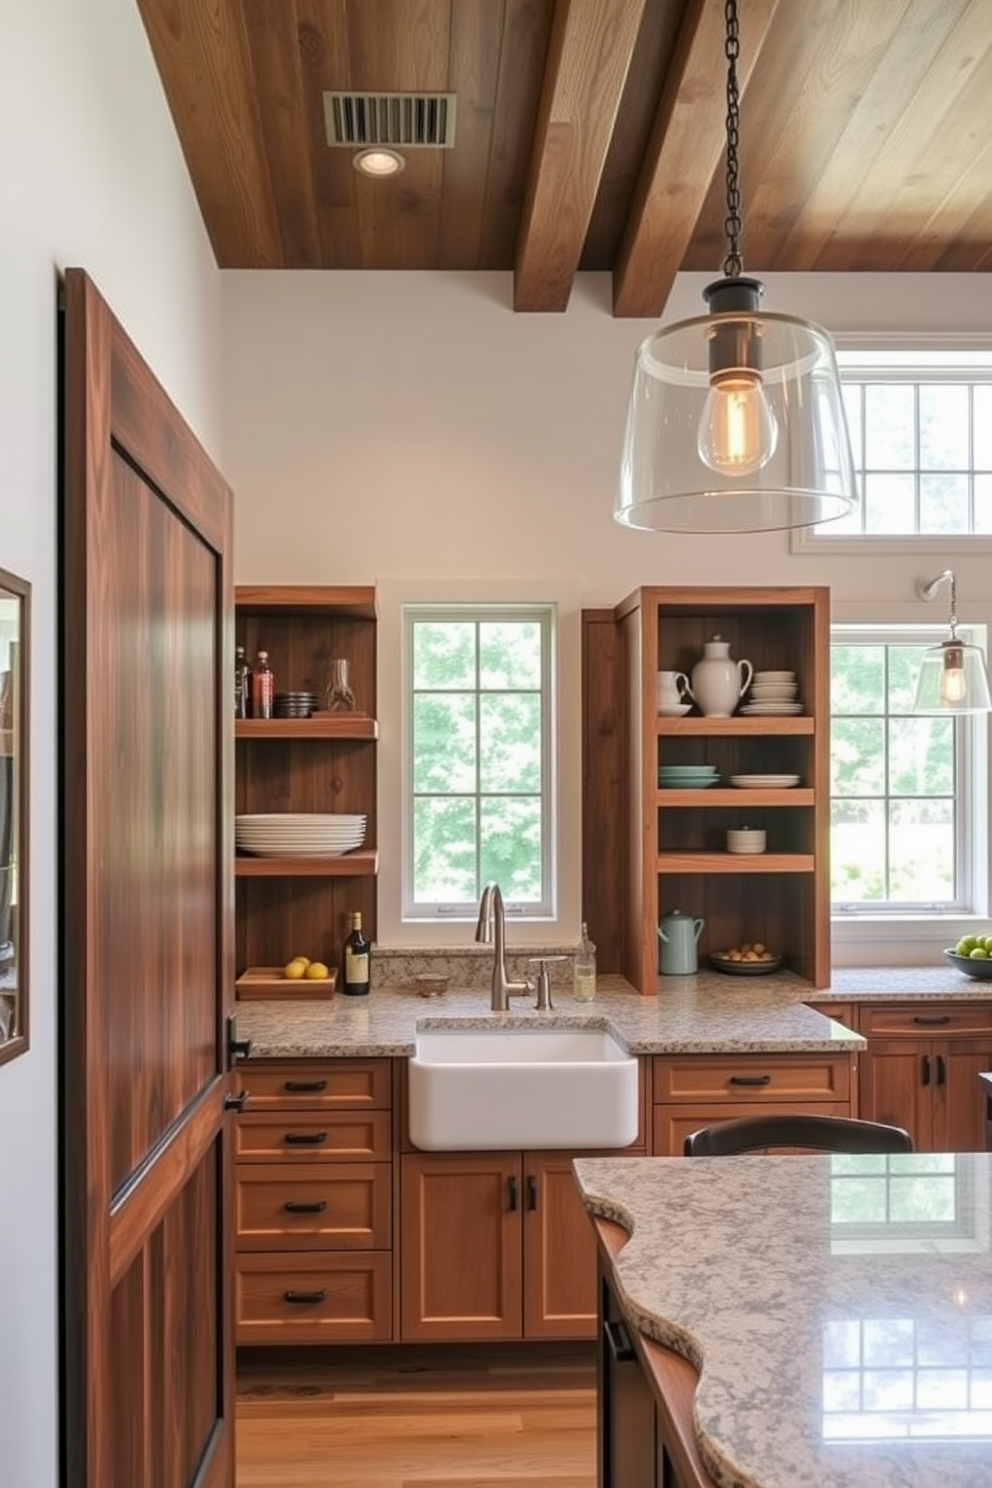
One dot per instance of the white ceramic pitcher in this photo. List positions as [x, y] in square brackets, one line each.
[719, 682]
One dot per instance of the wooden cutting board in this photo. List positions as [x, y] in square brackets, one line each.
[269, 982]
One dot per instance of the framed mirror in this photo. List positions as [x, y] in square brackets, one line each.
[15, 606]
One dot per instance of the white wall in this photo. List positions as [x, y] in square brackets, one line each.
[90, 176]
[412, 431]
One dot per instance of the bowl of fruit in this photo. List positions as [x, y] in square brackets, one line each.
[751, 958]
[973, 956]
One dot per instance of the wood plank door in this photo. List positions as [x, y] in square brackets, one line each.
[147, 924]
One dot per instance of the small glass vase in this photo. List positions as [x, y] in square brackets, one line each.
[340, 697]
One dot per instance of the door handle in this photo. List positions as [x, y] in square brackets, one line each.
[305, 1139]
[299, 1206]
[618, 1342]
[511, 1194]
[306, 1298]
[312, 1087]
[236, 1048]
[926, 1069]
[935, 1020]
[531, 1192]
[236, 1102]
[941, 1070]
[750, 1079]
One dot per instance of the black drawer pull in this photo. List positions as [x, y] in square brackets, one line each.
[306, 1299]
[236, 1102]
[926, 1069]
[305, 1139]
[941, 1070]
[618, 1340]
[298, 1087]
[299, 1206]
[511, 1193]
[935, 1020]
[750, 1079]
[531, 1192]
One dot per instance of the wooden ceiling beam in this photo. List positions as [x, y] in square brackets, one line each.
[684, 152]
[588, 56]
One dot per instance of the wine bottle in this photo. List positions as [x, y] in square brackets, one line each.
[357, 959]
[584, 981]
[263, 688]
[242, 684]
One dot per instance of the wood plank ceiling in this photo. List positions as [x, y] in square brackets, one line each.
[589, 135]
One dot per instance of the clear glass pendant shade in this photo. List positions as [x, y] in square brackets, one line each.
[952, 680]
[735, 424]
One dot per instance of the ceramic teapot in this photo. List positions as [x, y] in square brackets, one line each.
[678, 934]
[719, 682]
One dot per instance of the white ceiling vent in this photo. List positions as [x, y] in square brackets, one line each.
[405, 120]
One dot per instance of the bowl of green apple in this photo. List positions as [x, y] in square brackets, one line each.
[973, 956]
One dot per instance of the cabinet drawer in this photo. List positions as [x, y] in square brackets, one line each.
[841, 1012]
[313, 1299]
[350, 1084]
[672, 1124]
[754, 1078]
[338, 1207]
[923, 1020]
[313, 1136]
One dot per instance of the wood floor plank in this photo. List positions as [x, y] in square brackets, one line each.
[431, 1418]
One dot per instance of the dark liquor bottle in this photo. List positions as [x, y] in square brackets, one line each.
[242, 684]
[357, 959]
[263, 688]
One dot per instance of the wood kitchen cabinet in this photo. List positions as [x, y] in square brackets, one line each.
[494, 1245]
[676, 839]
[313, 1202]
[921, 1067]
[694, 1090]
[326, 763]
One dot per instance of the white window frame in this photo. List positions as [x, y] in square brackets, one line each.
[545, 615]
[893, 936]
[893, 358]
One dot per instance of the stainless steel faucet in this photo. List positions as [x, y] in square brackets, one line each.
[491, 930]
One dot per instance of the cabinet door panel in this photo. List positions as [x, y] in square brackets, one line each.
[559, 1253]
[959, 1101]
[461, 1260]
[672, 1124]
[896, 1086]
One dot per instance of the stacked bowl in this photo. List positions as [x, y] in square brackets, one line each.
[294, 704]
[773, 694]
[687, 777]
[298, 834]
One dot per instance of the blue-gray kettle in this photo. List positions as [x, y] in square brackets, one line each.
[678, 934]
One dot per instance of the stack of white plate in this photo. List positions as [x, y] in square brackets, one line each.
[764, 782]
[773, 693]
[299, 834]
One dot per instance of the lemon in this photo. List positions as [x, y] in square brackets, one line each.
[295, 968]
[317, 971]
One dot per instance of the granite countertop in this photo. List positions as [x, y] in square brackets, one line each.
[831, 1354]
[703, 1014]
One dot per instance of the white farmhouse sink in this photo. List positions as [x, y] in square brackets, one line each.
[476, 1089]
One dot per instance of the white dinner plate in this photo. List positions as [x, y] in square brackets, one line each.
[764, 782]
[771, 710]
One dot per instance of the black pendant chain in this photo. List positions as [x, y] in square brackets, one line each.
[733, 263]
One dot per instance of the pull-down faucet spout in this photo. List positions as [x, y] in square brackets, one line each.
[491, 930]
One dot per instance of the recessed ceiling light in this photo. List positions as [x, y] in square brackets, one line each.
[379, 162]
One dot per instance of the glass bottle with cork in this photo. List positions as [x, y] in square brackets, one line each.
[584, 975]
[357, 960]
[242, 683]
[263, 688]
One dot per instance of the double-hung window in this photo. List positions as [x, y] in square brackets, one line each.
[478, 758]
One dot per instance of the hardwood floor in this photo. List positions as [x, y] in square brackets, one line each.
[501, 1416]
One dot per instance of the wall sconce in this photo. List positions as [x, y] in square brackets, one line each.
[952, 675]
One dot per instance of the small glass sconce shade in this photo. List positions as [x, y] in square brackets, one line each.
[952, 680]
[756, 443]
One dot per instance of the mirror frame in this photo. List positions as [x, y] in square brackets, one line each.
[15, 746]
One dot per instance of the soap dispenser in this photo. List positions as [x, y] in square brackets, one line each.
[584, 982]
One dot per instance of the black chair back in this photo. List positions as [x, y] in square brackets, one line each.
[817, 1133]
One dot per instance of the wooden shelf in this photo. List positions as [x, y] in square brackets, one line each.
[724, 796]
[320, 726]
[307, 599]
[725, 862]
[363, 863]
[803, 723]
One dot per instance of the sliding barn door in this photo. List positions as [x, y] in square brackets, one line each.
[147, 622]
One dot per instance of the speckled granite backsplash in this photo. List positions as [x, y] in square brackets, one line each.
[470, 968]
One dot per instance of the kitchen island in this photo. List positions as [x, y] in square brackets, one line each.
[839, 1310]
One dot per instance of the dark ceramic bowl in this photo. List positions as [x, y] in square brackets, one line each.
[746, 968]
[980, 968]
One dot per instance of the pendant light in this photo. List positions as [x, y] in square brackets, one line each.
[952, 675]
[736, 420]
